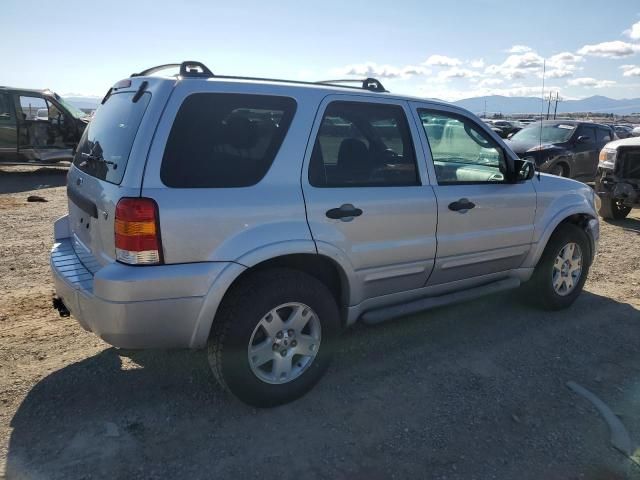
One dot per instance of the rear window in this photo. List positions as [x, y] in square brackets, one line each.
[103, 151]
[225, 140]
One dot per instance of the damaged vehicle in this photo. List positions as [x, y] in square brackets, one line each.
[565, 148]
[618, 178]
[38, 126]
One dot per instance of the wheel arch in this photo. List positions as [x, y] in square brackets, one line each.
[574, 216]
[565, 162]
[322, 267]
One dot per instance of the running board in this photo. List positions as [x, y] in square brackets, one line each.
[374, 317]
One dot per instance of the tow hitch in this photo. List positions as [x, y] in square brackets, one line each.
[59, 305]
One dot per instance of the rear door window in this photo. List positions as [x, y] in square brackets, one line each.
[589, 132]
[103, 151]
[363, 145]
[225, 140]
[603, 135]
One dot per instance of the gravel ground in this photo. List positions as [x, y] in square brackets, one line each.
[470, 391]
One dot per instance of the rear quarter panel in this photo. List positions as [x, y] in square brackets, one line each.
[242, 224]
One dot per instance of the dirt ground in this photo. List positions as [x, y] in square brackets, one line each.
[470, 391]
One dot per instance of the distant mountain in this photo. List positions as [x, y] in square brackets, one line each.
[89, 103]
[508, 105]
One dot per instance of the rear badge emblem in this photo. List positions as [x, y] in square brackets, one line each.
[105, 215]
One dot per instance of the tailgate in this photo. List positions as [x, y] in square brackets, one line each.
[109, 163]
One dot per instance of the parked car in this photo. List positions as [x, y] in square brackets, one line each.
[623, 131]
[37, 126]
[618, 178]
[506, 128]
[43, 114]
[260, 217]
[635, 132]
[563, 147]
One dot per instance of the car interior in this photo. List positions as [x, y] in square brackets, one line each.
[45, 126]
[363, 147]
[461, 154]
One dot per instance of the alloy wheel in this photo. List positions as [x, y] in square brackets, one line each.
[284, 343]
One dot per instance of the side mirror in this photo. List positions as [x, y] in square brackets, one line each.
[524, 169]
[583, 139]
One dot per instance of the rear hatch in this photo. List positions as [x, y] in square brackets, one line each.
[109, 163]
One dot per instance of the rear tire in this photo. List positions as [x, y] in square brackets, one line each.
[612, 209]
[554, 284]
[258, 334]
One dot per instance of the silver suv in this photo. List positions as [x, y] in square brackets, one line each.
[260, 217]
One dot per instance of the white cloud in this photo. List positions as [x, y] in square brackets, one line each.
[517, 66]
[634, 31]
[630, 70]
[442, 61]
[590, 82]
[559, 73]
[372, 69]
[489, 82]
[615, 49]
[520, 49]
[562, 65]
[478, 63]
[564, 58]
[457, 72]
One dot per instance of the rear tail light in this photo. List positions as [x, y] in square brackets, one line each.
[137, 229]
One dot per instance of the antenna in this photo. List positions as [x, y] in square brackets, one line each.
[544, 71]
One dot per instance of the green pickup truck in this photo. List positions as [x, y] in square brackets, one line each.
[38, 126]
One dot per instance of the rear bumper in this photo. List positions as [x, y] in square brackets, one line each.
[135, 307]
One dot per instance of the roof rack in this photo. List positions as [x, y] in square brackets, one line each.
[371, 84]
[193, 69]
[189, 69]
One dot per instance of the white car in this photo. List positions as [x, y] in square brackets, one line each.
[42, 114]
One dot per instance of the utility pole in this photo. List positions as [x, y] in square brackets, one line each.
[485, 108]
[549, 105]
[558, 99]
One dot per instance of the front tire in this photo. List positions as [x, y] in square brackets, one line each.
[559, 170]
[612, 209]
[560, 275]
[273, 337]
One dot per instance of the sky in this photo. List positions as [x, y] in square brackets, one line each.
[438, 49]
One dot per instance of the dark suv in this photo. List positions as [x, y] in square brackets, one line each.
[564, 148]
[38, 126]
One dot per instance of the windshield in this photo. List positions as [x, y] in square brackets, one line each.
[103, 151]
[74, 111]
[553, 133]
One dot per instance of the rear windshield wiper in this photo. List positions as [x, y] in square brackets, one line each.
[100, 159]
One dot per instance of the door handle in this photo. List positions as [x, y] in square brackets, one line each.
[345, 211]
[463, 205]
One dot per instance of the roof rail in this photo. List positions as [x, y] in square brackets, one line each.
[371, 84]
[188, 69]
[193, 69]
